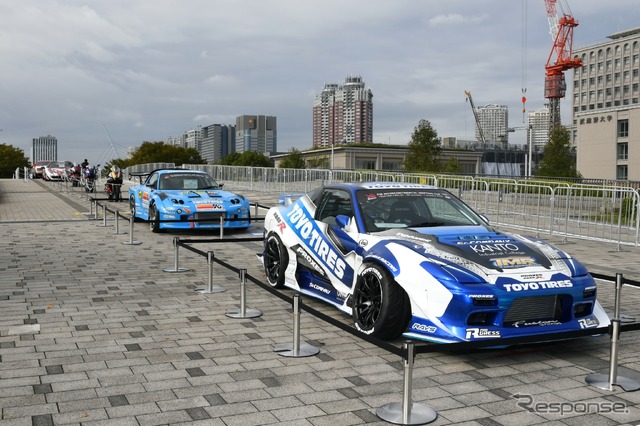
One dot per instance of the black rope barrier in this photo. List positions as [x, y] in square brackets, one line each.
[597, 276]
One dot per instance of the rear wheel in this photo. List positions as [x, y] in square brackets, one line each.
[381, 307]
[275, 260]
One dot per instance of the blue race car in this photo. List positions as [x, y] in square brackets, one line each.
[186, 199]
[414, 260]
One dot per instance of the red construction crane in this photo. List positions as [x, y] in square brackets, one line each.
[561, 27]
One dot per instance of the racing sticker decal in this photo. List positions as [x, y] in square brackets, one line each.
[303, 225]
[513, 262]
[481, 333]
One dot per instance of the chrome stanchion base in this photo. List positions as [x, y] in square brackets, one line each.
[602, 381]
[286, 349]
[132, 243]
[211, 290]
[248, 313]
[174, 269]
[418, 415]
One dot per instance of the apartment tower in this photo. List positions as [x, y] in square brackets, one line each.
[343, 114]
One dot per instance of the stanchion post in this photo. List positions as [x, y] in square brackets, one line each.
[607, 382]
[243, 312]
[221, 227]
[211, 289]
[407, 413]
[297, 349]
[176, 266]
[131, 242]
[104, 216]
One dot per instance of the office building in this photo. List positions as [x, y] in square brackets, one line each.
[216, 142]
[44, 148]
[343, 114]
[606, 108]
[256, 133]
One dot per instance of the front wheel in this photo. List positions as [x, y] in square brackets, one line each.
[275, 260]
[381, 307]
[154, 219]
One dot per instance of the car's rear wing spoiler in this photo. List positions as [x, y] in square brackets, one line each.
[144, 174]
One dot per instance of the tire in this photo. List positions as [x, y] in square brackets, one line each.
[154, 219]
[381, 308]
[275, 260]
[132, 208]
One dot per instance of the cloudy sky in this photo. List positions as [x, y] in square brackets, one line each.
[88, 71]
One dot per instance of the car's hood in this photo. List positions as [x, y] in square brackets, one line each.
[482, 250]
[201, 195]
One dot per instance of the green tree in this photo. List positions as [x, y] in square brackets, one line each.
[159, 152]
[292, 161]
[452, 166]
[11, 158]
[557, 157]
[247, 159]
[424, 149]
[318, 163]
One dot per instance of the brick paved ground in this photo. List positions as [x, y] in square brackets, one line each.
[93, 332]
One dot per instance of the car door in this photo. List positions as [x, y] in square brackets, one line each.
[146, 195]
[331, 203]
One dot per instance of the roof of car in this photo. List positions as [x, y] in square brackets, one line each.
[383, 185]
[174, 170]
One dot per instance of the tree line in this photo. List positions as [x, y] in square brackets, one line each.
[424, 156]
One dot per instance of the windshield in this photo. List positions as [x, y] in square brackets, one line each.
[386, 209]
[187, 181]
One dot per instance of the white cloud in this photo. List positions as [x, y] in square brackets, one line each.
[152, 69]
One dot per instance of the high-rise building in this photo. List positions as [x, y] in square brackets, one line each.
[343, 114]
[539, 122]
[217, 141]
[256, 133]
[44, 148]
[606, 108]
[494, 120]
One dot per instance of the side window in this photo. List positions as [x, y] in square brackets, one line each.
[333, 202]
[152, 180]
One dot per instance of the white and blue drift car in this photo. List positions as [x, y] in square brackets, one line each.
[186, 199]
[414, 260]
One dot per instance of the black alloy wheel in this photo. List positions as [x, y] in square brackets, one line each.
[381, 307]
[154, 219]
[275, 260]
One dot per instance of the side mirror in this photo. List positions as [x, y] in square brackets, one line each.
[485, 218]
[220, 185]
[342, 221]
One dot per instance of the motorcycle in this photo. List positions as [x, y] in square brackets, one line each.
[113, 188]
[74, 176]
[90, 175]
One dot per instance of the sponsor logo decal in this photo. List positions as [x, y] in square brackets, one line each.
[542, 285]
[494, 247]
[589, 322]
[513, 262]
[306, 256]
[319, 288]
[424, 328]
[535, 323]
[481, 333]
[309, 234]
[384, 261]
[202, 206]
[529, 277]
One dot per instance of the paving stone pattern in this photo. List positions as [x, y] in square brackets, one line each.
[94, 332]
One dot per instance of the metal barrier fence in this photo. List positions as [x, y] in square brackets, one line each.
[606, 212]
